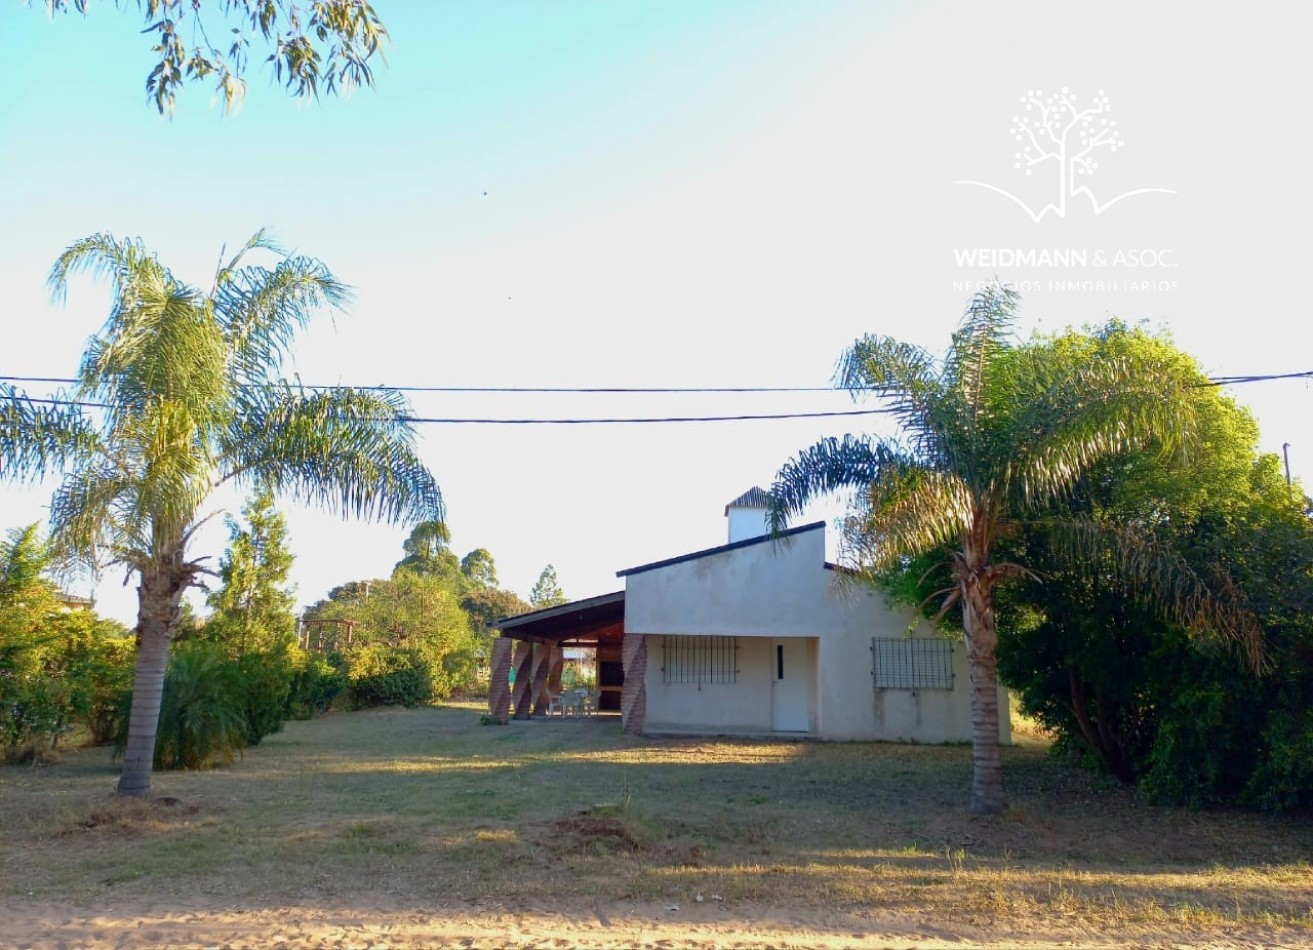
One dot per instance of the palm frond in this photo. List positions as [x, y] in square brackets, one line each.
[260, 310]
[159, 344]
[36, 439]
[173, 471]
[135, 497]
[975, 400]
[908, 510]
[260, 240]
[102, 255]
[985, 332]
[828, 466]
[907, 380]
[1074, 419]
[90, 523]
[1147, 566]
[351, 450]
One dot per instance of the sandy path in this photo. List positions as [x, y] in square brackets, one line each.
[654, 927]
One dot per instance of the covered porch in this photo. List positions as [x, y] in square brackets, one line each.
[528, 659]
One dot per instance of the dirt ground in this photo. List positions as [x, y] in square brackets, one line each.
[202, 923]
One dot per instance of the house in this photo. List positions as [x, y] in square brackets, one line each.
[71, 602]
[752, 637]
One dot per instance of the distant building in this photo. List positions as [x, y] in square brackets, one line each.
[752, 637]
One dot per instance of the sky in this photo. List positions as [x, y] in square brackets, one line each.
[715, 193]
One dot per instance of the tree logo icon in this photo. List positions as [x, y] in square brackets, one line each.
[1056, 136]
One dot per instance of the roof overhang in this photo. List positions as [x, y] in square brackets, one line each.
[749, 542]
[592, 620]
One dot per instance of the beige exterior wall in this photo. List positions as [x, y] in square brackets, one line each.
[739, 707]
[765, 591]
[896, 715]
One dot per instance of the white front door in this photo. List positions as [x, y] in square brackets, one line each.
[790, 674]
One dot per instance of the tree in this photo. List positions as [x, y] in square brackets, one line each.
[331, 46]
[416, 612]
[253, 609]
[192, 402]
[427, 552]
[991, 435]
[1133, 694]
[1079, 639]
[486, 605]
[479, 568]
[24, 557]
[547, 592]
[58, 666]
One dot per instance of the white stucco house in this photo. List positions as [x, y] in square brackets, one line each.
[755, 637]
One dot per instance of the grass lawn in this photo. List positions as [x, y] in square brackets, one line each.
[425, 807]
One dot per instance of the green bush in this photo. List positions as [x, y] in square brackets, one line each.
[266, 685]
[59, 670]
[1283, 776]
[105, 677]
[202, 713]
[317, 680]
[389, 676]
[35, 714]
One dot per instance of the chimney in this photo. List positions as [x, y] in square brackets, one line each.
[747, 515]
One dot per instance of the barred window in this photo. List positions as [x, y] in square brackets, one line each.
[699, 659]
[912, 663]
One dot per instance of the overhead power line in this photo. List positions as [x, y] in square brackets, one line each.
[603, 390]
[514, 389]
[558, 421]
[1262, 378]
[608, 420]
[631, 420]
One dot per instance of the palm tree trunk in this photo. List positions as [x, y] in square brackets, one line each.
[158, 598]
[987, 796]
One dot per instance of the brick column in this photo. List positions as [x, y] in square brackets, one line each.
[542, 665]
[523, 678]
[499, 688]
[633, 695]
[556, 669]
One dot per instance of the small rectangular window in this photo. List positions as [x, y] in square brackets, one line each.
[779, 661]
[912, 663]
[699, 659]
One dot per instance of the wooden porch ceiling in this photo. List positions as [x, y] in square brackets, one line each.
[587, 622]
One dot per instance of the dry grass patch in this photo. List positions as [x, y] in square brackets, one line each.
[425, 807]
[137, 817]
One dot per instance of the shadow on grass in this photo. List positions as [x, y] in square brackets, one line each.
[426, 801]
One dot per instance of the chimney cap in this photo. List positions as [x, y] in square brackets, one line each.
[754, 497]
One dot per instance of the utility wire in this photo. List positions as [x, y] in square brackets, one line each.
[546, 421]
[516, 389]
[1233, 380]
[631, 420]
[1214, 381]
[612, 420]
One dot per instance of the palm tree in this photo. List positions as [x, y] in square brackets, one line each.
[180, 396]
[991, 434]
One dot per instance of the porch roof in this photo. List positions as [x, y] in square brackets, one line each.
[590, 621]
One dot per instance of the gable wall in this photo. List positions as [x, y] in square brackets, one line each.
[772, 589]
